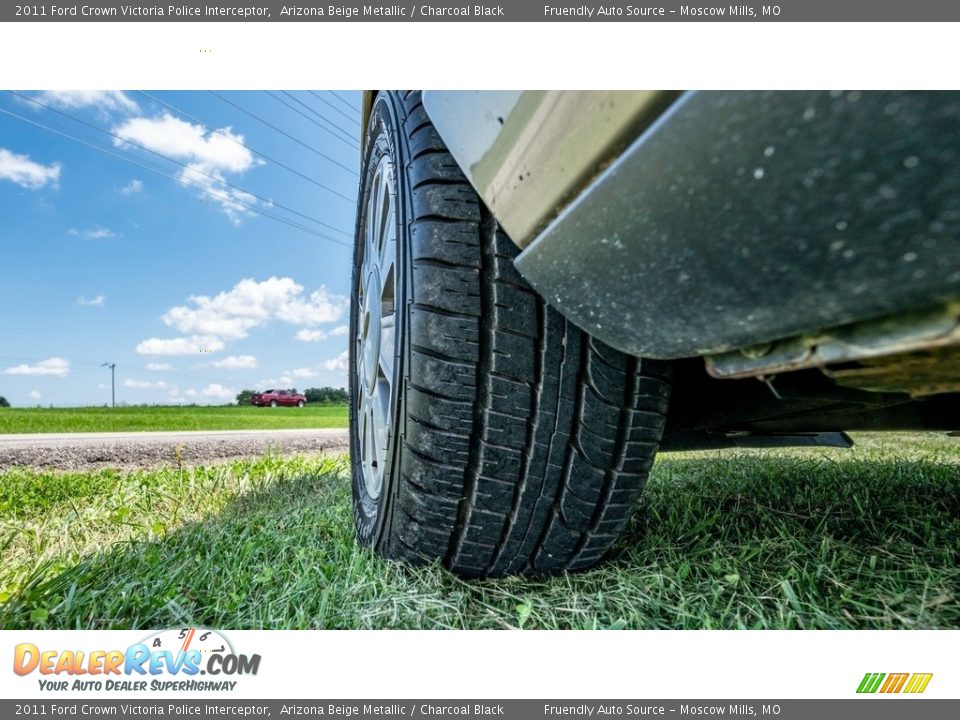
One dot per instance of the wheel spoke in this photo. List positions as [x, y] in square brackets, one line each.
[387, 347]
[387, 293]
[385, 222]
[376, 447]
[369, 230]
[378, 432]
[362, 433]
[375, 218]
[359, 353]
[386, 242]
[386, 275]
[387, 288]
[383, 412]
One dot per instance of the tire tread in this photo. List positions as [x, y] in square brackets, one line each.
[526, 443]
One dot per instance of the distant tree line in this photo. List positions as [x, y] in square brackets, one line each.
[6, 403]
[327, 396]
[320, 396]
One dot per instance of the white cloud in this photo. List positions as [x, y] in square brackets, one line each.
[98, 301]
[108, 100]
[322, 307]
[231, 314]
[158, 367]
[237, 362]
[304, 373]
[208, 157]
[95, 233]
[193, 345]
[26, 173]
[218, 391]
[145, 385]
[340, 362]
[311, 335]
[58, 367]
[318, 335]
[132, 188]
[35, 394]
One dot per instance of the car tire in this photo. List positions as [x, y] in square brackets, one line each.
[300, 403]
[273, 403]
[508, 440]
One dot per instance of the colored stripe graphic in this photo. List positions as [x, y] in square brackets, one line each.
[870, 682]
[918, 682]
[894, 683]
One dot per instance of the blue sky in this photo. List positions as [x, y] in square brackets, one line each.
[180, 278]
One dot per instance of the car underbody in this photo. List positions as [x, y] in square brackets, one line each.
[793, 252]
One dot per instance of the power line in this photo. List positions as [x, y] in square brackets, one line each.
[248, 147]
[182, 180]
[88, 140]
[187, 167]
[310, 119]
[349, 134]
[333, 107]
[270, 125]
[342, 99]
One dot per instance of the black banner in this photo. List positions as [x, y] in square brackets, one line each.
[508, 10]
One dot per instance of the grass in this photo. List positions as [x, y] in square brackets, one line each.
[190, 417]
[865, 538]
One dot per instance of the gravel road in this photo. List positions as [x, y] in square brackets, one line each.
[90, 451]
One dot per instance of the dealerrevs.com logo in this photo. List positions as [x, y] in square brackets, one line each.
[168, 660]
[889, 683]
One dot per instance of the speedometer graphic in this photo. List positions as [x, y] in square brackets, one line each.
[182, 640]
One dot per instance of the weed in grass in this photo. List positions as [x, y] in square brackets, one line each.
[868, 538]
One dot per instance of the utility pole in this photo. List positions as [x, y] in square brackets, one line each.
[113, 387]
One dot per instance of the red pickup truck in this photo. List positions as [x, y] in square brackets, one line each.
[273, 398]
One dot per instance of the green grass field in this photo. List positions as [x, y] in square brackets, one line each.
[865, 538]
[190, 417]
